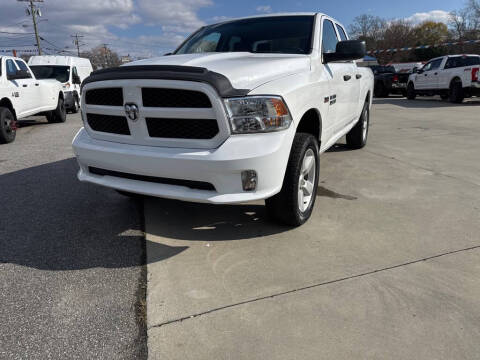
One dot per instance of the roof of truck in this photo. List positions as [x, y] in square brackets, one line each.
[58, 60]
[272, 15]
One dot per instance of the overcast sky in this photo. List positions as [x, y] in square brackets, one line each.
[153, 27]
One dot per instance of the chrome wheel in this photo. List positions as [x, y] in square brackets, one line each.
[306, 180]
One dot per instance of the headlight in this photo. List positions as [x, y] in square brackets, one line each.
[253, 114]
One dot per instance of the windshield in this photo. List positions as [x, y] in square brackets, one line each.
[60, 73]
[279, 34]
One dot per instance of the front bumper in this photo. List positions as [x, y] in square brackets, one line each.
[267, 154]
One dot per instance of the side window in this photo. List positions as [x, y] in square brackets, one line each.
[343, 35]
[23, 66]
[451, 63]
[11, 68]
[329, 37]
[74, 72]
[436, 64]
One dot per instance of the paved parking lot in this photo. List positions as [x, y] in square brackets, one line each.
[388, 266]
[71, 255]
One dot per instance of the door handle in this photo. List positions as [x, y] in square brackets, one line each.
[436, 73]
[37, 84]
[24, 85]
[358, 76]
[347, 77]
[426, 74]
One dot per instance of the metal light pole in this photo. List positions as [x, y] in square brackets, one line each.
[33, 12]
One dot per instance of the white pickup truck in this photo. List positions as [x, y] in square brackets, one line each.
[239, 112]
[453, 77]
[22, 95]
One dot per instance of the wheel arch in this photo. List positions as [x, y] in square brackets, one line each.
[455, 80]
[5, 102]
[311, 123]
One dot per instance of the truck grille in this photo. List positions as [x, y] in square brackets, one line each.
[182, 128]
[199, 185]
[105, 96]
[108, 124]
[169, 113]
[174, 98]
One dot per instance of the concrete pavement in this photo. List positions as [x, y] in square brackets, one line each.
[386, 268]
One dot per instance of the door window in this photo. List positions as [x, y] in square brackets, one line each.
[433, 65]
[11, 68]
[23, 66]
[329, 37]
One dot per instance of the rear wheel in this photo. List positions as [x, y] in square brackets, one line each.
[379, 90]
[357, 137]
[411, 95]
[59, 115]
[76, 105]
[8, 126]
[294, 204]
[456, 94]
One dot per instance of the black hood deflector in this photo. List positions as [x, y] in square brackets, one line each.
[168, 72]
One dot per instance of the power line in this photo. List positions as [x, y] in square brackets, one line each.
[34, 11]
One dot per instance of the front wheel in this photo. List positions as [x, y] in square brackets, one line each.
[411, 95]
[357, 136]
[294, 204]
[59, 115]
[8, 126]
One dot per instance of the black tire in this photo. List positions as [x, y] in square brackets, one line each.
[456, 94]
[59, 115]
[411, 95]
[76, 105]
[8, 126]
[284, 207]
[404, 93]
[358, 135]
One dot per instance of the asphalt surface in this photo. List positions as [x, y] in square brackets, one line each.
[72, 259]
[386, 268]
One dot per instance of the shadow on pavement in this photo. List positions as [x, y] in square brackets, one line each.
[51, 221]
[424, 102]
[204, 222]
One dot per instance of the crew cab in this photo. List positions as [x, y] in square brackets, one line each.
[453, 77]
[239, 112]
[22, 95]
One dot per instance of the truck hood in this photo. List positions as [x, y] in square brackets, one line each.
[244, 70]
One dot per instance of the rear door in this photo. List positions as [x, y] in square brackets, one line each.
[340, 76]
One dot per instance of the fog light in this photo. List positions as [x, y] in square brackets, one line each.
[249, 180]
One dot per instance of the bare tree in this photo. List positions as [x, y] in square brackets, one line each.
[102, 57]
[465, 23]
[369, 28]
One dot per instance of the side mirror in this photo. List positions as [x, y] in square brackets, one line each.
[76, 79]
[20, 74]
[420, 71]
[346, 51]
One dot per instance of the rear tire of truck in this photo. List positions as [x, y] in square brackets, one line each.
[380, 90]
[59, 115]
[456, 94]
[357, 136]
[294, 204]
[411, 95]
[8, 128]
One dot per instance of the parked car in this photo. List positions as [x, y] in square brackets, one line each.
[453, 77]
[69, 70]
[239, 112]
[22, 95]
[388, 81]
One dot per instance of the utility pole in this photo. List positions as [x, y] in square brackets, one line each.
[77, 42]
[34, 11]
[106, 54]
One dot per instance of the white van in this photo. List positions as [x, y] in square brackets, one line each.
[69, 70]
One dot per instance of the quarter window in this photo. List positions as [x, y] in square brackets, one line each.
[343, 35]
[329, 37]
